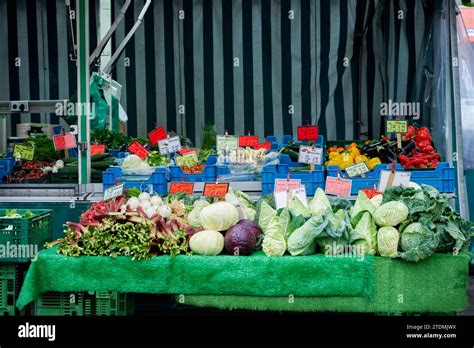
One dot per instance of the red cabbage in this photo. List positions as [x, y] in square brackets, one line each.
[241, 239]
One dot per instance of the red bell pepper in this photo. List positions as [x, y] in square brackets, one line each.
[423, 133]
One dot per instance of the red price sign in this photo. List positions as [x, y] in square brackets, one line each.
[156, 135]
[284, 184]
[338, 187]
[265, 146]
[138, 149]
[185, 150]
[248, 140]
[63, 142]
[97, 149]
[306, 133]
[177, 187]
[215, 190]
[371, 192]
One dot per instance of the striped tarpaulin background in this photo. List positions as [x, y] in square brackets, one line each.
[264, 66]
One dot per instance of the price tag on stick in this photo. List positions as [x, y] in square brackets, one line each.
[307, 133]
[248, 140]
[156, 135]
[389, 178]
[113, 192]
[397, 126]
[97, 149]
[227, 142]
[177, 187]
[23, 152]
[64, 142]
[310, 155]
[283, 198]
[215, 189]
[338, 186]
[357, 169]
[138, 149]
[265, 146]
[169, 145]
[285, 184]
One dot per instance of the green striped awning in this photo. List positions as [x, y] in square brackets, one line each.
[264, 66]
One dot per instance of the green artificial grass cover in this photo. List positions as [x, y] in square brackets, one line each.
[256, 275]
[435, 285]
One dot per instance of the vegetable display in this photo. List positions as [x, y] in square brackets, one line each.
[404, 222]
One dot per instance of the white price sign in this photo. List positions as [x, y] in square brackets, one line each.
[227, 142]
[310, 155]
[388, 179]
[113, 192]
[283, 198]
[169, 145]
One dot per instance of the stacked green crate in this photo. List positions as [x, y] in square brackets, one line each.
[25, 233]
[100, 303]
[8, 288]
[59, 304]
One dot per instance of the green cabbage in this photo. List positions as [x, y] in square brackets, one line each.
[361, 204]
[207, 243]
[297, 222]
[239, 198]
[265, 215]
[193, 217]
[303, 238]
[274, 243]
[219, 216]
[417, 242]
[298, 208]
[390, 214]
[412, 236]
[377, 200]
[336, 235]
[387, 241]
[365, 235]
[319, 205]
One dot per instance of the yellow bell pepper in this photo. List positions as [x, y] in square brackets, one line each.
[373, 162]
[361, 158]
[347, 161]
[354, 152]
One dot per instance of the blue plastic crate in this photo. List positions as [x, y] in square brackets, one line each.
[287, 138]
[118, 153]
[441, 178]
[370, 181]
[2, 173]
[157, 181]
[58, 130]
[209, 174]
[286, 159]
[8, 163]
[311, 180]
[73, 152]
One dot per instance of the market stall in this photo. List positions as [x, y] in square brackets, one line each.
[361, 207]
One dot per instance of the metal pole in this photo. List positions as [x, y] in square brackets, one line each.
[83, 97]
